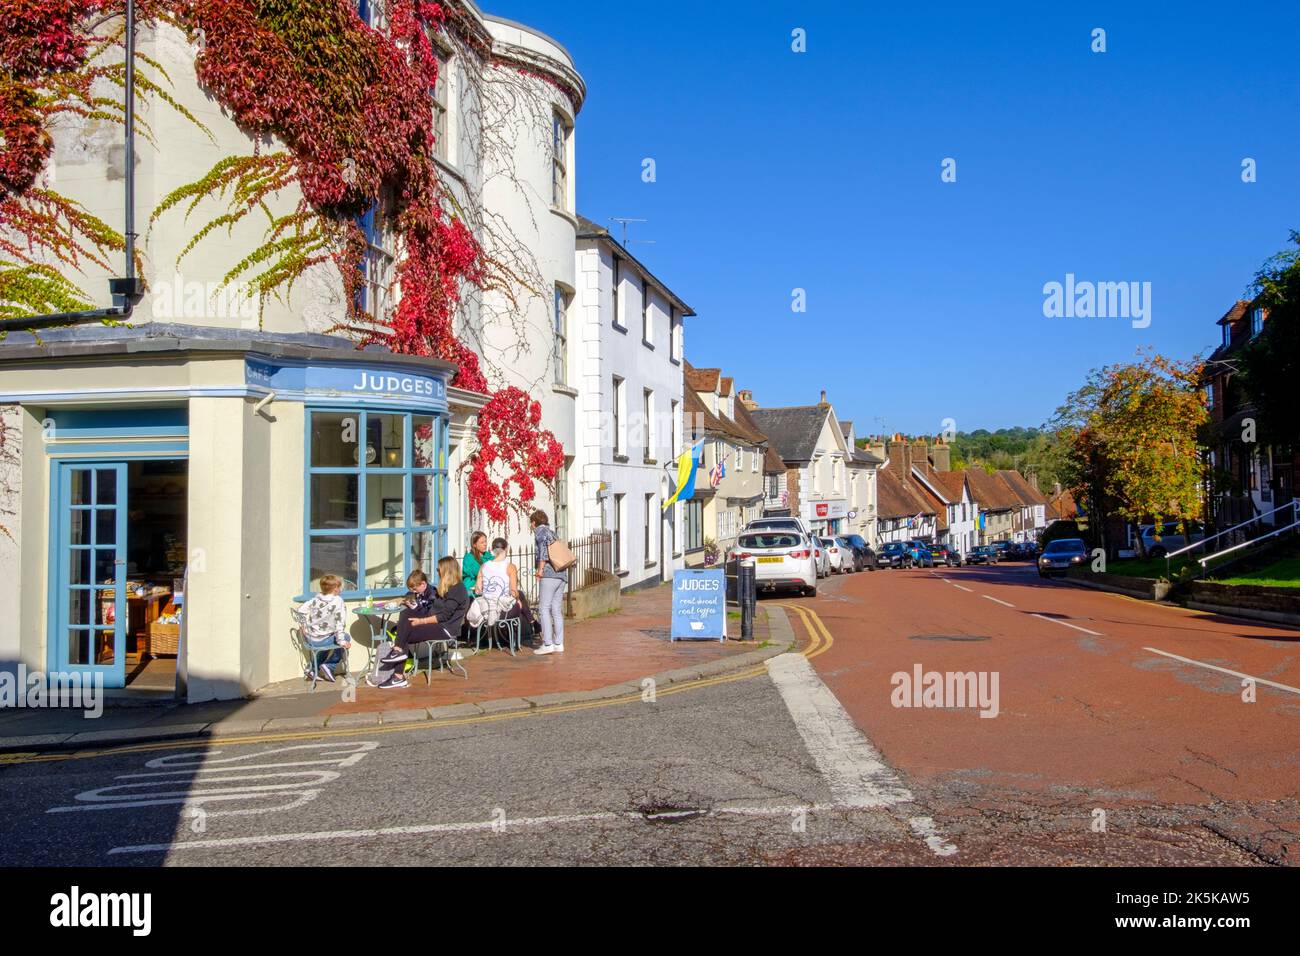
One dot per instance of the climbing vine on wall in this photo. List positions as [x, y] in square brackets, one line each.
[348, 109]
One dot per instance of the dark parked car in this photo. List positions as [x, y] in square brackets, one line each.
[1061, 555]
[864, 555]
[920, 554]
[1001, 547]
[894, 555]
[1015, 551]
[982, 554]
[946, 555]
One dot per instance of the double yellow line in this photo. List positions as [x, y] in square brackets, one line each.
[820, 641]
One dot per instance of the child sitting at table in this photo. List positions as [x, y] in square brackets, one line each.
[324, 624]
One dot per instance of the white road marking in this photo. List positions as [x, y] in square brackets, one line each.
[966, 589]
[1224, 670]
[921, 826]
[854, 770]
[997, 600]
[193, 779]
[1068, 624]
[924, 828]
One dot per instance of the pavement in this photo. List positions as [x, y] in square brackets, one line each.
[615, 655]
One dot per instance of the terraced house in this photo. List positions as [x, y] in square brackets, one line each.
[730, 489]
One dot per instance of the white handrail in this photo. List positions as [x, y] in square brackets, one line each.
[1264, 537]
[1259, 517]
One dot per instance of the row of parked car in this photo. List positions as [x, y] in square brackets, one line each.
[788, 555]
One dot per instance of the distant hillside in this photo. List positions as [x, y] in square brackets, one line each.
[1029, 450]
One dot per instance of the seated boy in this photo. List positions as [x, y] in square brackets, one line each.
[324, 620]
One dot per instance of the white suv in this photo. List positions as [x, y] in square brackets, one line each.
[777, 524]
[782, 558]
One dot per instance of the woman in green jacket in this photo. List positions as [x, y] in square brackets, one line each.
[474, 559]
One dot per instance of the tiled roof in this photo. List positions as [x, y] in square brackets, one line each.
[1020, 486]
[1234, 343]
[1062, 507]
[772, 463]
[861, 457]
[724, 388]
[952, 483]
[926, 471]
[991, 494]
[794, 431]
[746, 425]
[701, 379]
[741, 429]
[896, 500]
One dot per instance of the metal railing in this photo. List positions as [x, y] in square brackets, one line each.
[595, 554]
[1237, 529]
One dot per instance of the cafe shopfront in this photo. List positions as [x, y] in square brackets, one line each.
[181, 491]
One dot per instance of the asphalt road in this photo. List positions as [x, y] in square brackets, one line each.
[809, 762]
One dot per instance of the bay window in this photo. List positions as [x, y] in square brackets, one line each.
[376, 498]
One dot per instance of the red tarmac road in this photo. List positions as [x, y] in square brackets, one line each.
[1091, 717]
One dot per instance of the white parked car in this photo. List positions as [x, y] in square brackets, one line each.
[777, 524]
[783, 558]
[836, 556]
[822, 553]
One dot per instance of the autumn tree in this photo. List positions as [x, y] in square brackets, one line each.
[1130, 438]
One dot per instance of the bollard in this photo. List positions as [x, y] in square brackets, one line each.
[747, 592]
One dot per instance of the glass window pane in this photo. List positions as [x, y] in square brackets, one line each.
[333, 555]
[79, 526]
[80, 487]
[333, 502]
[105, 569]
[104, 647]
[79, 606]
[424, 436]
[78, 647]
[335, 437]
[106, 526]
[423, 490]
[385, 501]
[106, 487]
[385, 561]
[422, 544]
[79, 566]
[386, 434]
[106, 608]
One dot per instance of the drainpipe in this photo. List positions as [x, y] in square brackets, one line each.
[126, 291]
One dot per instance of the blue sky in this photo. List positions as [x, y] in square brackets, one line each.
[821, 171]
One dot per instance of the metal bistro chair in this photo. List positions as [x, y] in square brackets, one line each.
[513, 626]
[310, 653]
[442, 650]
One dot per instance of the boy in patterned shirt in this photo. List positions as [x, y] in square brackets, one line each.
[324, 623]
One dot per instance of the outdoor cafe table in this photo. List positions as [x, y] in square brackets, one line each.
[377, 617]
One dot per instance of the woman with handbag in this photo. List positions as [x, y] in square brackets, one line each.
[551, 582]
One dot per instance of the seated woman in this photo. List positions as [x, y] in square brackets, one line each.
[430, 615]
[499, 584]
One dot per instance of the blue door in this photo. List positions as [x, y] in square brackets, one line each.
[90, 609]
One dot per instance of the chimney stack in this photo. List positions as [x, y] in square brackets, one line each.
[941, 455]
[1032, 478]
[823, 396]
[747, 399]
[900, 456]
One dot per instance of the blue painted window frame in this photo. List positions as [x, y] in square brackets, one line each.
[438, 505]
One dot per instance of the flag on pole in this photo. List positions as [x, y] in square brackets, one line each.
[688, 463]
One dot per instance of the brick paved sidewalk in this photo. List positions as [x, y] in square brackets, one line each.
[601, 653]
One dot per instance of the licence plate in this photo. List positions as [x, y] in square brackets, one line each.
[770, 560]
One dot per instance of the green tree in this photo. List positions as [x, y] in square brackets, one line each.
[1270, 364]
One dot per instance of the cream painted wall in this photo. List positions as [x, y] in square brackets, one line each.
[11, 485]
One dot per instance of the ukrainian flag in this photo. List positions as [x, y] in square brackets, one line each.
[688, 463]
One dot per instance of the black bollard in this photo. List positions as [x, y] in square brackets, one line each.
[747, 588]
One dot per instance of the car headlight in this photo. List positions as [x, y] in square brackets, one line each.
[1077, 559]
[1044, 561]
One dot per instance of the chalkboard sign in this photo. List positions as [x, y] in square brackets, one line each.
[699, 605]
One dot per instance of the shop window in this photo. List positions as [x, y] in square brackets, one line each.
[694, 518]
[376, 498]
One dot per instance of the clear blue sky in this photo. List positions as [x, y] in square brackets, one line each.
[821, 170]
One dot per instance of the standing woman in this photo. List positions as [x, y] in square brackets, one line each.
[551, 584]
[475, 558]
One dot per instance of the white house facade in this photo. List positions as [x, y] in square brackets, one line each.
[627, 338]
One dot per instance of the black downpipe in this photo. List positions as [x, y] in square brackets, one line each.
[126, 290]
